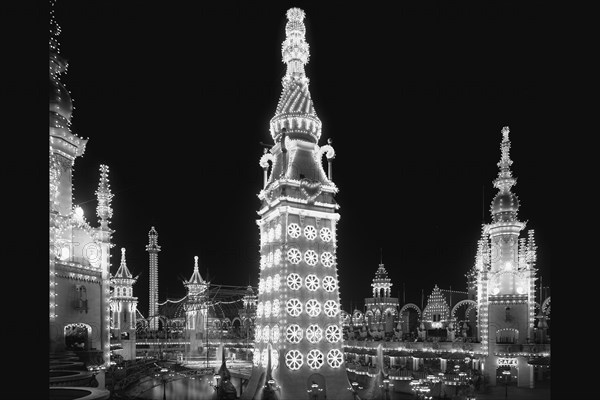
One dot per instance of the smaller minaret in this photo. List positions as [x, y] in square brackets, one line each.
[195, 309]
[382, 306]
[123, 307]
[104, 196]
[153, 248]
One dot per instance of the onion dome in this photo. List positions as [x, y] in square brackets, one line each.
[505, 202]
[295, 111]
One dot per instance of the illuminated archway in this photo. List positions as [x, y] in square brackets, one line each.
[471, 304]
[77, 336]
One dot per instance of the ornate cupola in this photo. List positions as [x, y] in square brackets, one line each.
[196, 286]
[382, 286]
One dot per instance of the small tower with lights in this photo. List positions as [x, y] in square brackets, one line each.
[195, 310]
[505, 274]
[298, 321]
[382, 308]
[153, 248]
[123, 306]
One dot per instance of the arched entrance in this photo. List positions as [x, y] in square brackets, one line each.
[77, 336]
[316, 387]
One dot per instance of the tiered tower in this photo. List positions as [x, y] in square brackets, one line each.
[298, 320]
[79, 254]
[195, 309]
[506, 274]
[123, 306]
[382, 308]
[153, 248]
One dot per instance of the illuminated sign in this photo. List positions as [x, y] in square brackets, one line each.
[510, 362]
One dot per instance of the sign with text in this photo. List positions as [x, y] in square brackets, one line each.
[509, 362]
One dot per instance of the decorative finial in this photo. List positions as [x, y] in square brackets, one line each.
[505, 131]
[294, 49]
[104, 197]
[195, 262]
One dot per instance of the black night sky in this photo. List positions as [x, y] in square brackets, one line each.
[176, 100]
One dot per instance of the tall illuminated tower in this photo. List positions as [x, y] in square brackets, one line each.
[298, 313]
[123, 306]
[382, 308]
[153, 248]
[506, 274]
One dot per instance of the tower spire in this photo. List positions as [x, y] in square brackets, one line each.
[104, 196]
[506, 204]
[153, 248]
[123, 271]
[295, 110]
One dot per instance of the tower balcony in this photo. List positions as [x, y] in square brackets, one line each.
[382, 302]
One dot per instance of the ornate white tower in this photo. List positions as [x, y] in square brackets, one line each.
[298, 322]
[505, 273]
[123, 306]
[153, 248]
[382, 307]
[195, 309]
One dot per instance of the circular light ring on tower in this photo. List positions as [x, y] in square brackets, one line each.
[329, 283]
[311, 257]
[335, 358]
[326, 234]
[275, 334]
[314, 334]
[293, 307]
[259, 309]
[278, 232]
[294, 230]
[267, 309]
[315, 359]
[276, 307]
[268, 284]
[266, 333]
[261, 286]
[311, 282]
[331, 308]
[313, 308]
[294, 256]
[294, 281]
[293, 333]
[333, 333]
[327, 259]
[276, 282]
[310, 232]
[293, 360]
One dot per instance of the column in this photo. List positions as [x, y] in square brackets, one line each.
[531, 377]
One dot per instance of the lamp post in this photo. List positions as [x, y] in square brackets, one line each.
[506, 375]
[386, 384]
[217, 377]
[164, 371]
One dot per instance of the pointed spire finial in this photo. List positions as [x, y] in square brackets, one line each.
[195, 262]
[104, 197]
[122, 255]
[505, 132]
[294, 49]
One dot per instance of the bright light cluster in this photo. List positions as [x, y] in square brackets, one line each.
[268, 284]
[310, 232]
[266, 333]
[267, 309]
[276, 307]
[331, 308]
[276, 282]
[329, 283]
[275, 334]
[326, 234]
[259, 309]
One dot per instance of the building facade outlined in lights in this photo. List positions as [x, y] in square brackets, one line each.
[79, 253]
[298, 330]
[123, 307]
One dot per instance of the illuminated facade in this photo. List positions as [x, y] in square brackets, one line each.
[298, 322]
[123, 307]
[79, 254]
[153, 248]
[195, 310]
[506, 274]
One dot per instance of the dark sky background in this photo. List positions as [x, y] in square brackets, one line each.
[176, 100]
